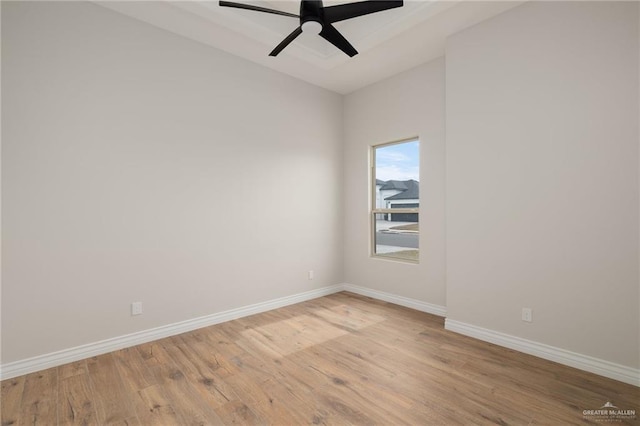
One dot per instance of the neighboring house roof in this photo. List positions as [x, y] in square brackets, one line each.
[400, 185]
[380, 182]
[412, 191]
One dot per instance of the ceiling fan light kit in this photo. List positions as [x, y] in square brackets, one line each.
[311, 27]
[317, 19]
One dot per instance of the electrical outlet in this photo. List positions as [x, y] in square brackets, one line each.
[136, 308]
[527, 314]
[310, 275]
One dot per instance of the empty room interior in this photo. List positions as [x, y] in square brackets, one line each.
[297, 212]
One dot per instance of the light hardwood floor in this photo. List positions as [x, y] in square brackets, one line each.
[340, 359]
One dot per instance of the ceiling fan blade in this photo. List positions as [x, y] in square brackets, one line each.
[341, 12]
[284, 43]
[334, 37]
[256, 8]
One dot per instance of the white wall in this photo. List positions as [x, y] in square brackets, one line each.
[409, 104]
[542, 176]
[140, 166]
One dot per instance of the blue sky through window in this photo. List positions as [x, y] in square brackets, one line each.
[398, 161]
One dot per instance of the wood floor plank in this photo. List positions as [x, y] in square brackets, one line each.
[337, 360]
[11, 400]
[203, 379]
[112, 400]
[154, 408]
[76, 400]
[214, 356]
[180, 392]
[280, 396]
[341, 410]
[237, 412]
[131, 367]
[147, 399]
[349, 317]
[40, 398]
[278, 412]
[72, 369]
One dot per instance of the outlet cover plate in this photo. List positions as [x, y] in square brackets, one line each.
[136, 308]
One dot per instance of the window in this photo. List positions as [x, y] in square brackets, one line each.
[395, 200]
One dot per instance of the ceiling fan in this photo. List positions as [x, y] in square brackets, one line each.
[317, 19]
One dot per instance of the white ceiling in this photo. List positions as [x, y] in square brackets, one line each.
[388, 42]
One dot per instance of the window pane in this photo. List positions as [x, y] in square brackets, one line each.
[396, 179]
[397, 238]
[397, 173]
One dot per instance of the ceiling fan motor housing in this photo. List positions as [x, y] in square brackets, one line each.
[311, 10]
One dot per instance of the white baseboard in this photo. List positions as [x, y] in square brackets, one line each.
[418, 305]
[42, 362]
[562, 356]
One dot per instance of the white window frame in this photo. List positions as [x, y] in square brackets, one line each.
[374, 210]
